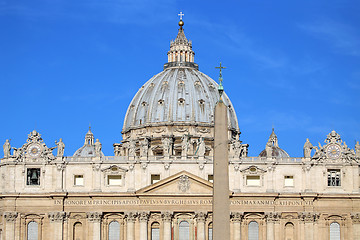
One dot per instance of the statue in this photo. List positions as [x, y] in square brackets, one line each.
[144, 147]
[98, 148]
[132, 148]
[201, 147]
[307, 149]
[268, 149]
[237, 148]
[244, 150]
[60, 148]
[7, 148]
[184, 145]
[166, 146]
[357, 149]
[47, 153]
[17, 152]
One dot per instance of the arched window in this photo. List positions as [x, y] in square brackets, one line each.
[210, 231]
[334, 231]
[289, 231]
[78, 231]
[253, 231]
[184, 230]
[114, 230]
[32, 231]
[155, 231]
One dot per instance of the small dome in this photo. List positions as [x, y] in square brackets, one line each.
[88, 150]
[272, 147]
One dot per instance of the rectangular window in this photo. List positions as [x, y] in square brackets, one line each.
[253, 180]
[33, 176]
[288, 181]
[79, 180]
[114, 180]
[155, 178]
[211, 178]
[334, 177]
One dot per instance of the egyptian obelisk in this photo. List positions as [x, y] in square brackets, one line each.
[221, 202]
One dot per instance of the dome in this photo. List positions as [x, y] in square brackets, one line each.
[180, 94]
[272, 147]
[89, 148]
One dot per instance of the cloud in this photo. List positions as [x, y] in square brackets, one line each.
[343, 38]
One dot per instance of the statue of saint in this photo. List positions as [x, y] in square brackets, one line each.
[307, 149]
[98, 147]
[7, 148]
[60, 148]
[132, 148]
[244, 150]
[357, 149]
[166, 146]
[237, 148]
[268, 149]
[201, 147]
[184, 145]
[144, 147]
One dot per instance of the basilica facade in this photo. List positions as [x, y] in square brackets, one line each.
[158, 185]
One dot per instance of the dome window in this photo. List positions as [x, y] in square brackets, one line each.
[161, 102]
[197, 84]
[181, 83]
[144, 104]
[201, 101]
[181, 101]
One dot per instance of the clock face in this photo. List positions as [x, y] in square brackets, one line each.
[34, 150]
[333, 151]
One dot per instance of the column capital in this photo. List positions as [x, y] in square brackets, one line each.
[56, 216]
[308, 217]
[166, 216]
[131, 216]
[10, 216]
[237, 216]
[272, 216]
[201, 216]
[94, 216]
[355, 217]
[143, 216]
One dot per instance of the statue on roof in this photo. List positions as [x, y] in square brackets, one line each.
[357, 149]
[7, 148]
[60, 148]
[307, 148]
[184, 145]
[98, 147]
[166, 146]
[144, 147]
[201, 147]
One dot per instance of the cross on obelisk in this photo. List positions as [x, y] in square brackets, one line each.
[221, 200]
[180, 15]
[221, 88]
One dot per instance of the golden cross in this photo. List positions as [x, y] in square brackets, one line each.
[180, 15]
[221, 67]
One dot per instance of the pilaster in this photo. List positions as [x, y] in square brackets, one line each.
[200, 219]
[143, 219]
[167, 217]
[236, 218]
[271, 218]
[94, 219]
[130, 225]
[56, 222]
[355, 217]
[10, 221]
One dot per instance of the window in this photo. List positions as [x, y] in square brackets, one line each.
[334, 177]
[210, 231]
[253, 180]
[114, 180]
[334, 231]
[211, 178]
[155, 178]
[114, 230]
[184, 231]
[288, 181]
[79, 180]
[253, 231]
[155, 231]
[33, 176]
[32, 231]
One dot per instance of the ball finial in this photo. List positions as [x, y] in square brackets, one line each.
[181, 23]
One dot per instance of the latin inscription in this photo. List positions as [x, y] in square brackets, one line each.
[128, 202]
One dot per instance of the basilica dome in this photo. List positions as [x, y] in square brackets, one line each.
[179, 95]
[272, 148]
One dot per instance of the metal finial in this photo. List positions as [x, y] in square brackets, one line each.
[221, 88]
[181, 15]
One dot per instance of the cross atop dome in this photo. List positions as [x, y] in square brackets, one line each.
[181, 15]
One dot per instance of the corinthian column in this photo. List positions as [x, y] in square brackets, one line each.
[308, 219]
[236, 221]
[95, 219]
[143, 218]
[10, 220]
[356, 225]
[130, 231]
[270, 222]
[166, 216]
[200, 218]
[56, 222]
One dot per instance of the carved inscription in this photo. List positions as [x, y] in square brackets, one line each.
[114, 202]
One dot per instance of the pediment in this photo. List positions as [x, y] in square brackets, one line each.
[182, 183]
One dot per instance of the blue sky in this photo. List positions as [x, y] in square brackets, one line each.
[294, 65]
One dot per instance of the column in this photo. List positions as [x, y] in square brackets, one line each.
[270, 222]
[130, 223]
[356, 225]
[200, 219]
[56, 223]
[236, 221]
[10, 221]
[143, 218]
[166, 216]
[94, 219]
[309, 225]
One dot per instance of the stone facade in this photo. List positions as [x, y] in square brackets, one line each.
[158, 184]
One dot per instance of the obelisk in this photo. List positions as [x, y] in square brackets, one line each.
[221, 202]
